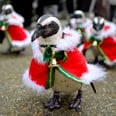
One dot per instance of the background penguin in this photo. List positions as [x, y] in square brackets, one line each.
[11, 23]
[101, 40]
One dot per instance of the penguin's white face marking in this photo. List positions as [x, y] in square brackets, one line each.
[98, 25]
[48, 20]
[48, 29]
[51, 32]
[7, 8]
[7, 11]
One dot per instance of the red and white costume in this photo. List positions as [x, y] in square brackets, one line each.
[16, 34]
[36, 76]
[83, 27]
[107, 43]
[85, 24]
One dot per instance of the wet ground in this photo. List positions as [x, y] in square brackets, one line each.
[16, 100]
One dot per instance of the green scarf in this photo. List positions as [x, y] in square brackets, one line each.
[82, 30]
[92, 39]
[3, 25]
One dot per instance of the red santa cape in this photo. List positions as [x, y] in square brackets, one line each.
[14, 30]
[75, 65]
[17, 36]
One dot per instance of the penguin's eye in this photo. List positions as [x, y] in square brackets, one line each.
[51, 24]
[39, 26]
[8, 11]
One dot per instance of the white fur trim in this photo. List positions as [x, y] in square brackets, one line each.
[95, 73]
[109, 32]
[16, 19]
[85, 24]
[112, 30]
[30, 84]
[88, 31]
[109, 63]
[69, 42]
[80, 48]
[73, 23]
[38, 55]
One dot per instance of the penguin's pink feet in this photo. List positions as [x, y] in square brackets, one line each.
[76, 103]
[54, 103]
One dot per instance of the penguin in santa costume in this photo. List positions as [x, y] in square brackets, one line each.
[58, 64]
[11, 23]
[79, 22]
[102, 41]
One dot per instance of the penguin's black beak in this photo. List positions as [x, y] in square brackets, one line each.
[38, 32]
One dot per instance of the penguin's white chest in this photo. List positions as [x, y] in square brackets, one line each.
[64, 84]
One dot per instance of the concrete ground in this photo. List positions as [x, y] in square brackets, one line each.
[16, 100]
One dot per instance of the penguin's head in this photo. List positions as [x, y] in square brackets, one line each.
[98, 25]
[7, 11]
[48, 27]
[79, 16]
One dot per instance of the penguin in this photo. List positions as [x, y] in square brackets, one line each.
[101, 41]
[58, 64]
[79, 22]
[11, 23]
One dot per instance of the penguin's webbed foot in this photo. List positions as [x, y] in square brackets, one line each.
[76, 103]
[54, 103]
